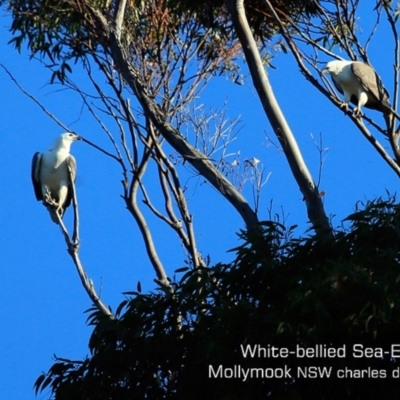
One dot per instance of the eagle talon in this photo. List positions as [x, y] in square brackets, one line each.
[49, 201]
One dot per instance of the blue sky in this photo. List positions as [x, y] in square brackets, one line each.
[42, 301]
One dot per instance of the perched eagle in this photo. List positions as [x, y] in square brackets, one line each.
[361, 85]
[52, 174]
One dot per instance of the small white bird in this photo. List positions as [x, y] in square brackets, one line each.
[360, 84]
[52, 174]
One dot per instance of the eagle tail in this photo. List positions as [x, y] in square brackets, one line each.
[389, 119]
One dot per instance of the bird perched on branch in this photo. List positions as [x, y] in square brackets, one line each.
[53, 172]
[360, 84]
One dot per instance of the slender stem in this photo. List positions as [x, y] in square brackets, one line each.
[100, 149]
[35, 100]
[73, 250]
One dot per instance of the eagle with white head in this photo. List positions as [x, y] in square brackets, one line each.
[53, 172]
[360, 84]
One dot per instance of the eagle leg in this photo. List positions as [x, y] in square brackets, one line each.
[56, 211]
[357, 112]
[49, 201]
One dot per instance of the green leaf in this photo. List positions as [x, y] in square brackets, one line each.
[46, 383]
[182, 269]
[39, 382]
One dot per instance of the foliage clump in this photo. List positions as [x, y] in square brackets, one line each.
[281, 291]
[65, 31]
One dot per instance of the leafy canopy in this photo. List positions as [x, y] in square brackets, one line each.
[280, 291]
[64, 31]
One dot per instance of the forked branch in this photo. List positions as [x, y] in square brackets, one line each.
[197, 159]
[73, 250]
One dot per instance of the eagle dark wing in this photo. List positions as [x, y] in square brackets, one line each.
[35, 172]
[378, 96]
[71, 165]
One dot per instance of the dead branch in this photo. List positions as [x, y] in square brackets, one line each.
[73, 251]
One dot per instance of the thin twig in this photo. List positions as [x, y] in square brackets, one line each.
[73, 250]
[380, 149]
[392, 24]
[131, 202]
[170, 176]
[100, 149]
[44, 109]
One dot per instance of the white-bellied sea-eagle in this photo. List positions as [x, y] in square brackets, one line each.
[360, 84]
[52, 174]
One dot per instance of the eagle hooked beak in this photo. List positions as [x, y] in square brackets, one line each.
[73, 136]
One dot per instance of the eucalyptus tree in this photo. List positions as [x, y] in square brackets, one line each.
[156, 57]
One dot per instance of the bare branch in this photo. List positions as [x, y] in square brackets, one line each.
[73, 250]
[131, 202]
[44, 109]
[106, 101]
[100, 149]
[119, 16]
[321, 152]
[315, 208]
[373, 31]
[198, 160]
[187, 239]
[379, 148]
[396, 67]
